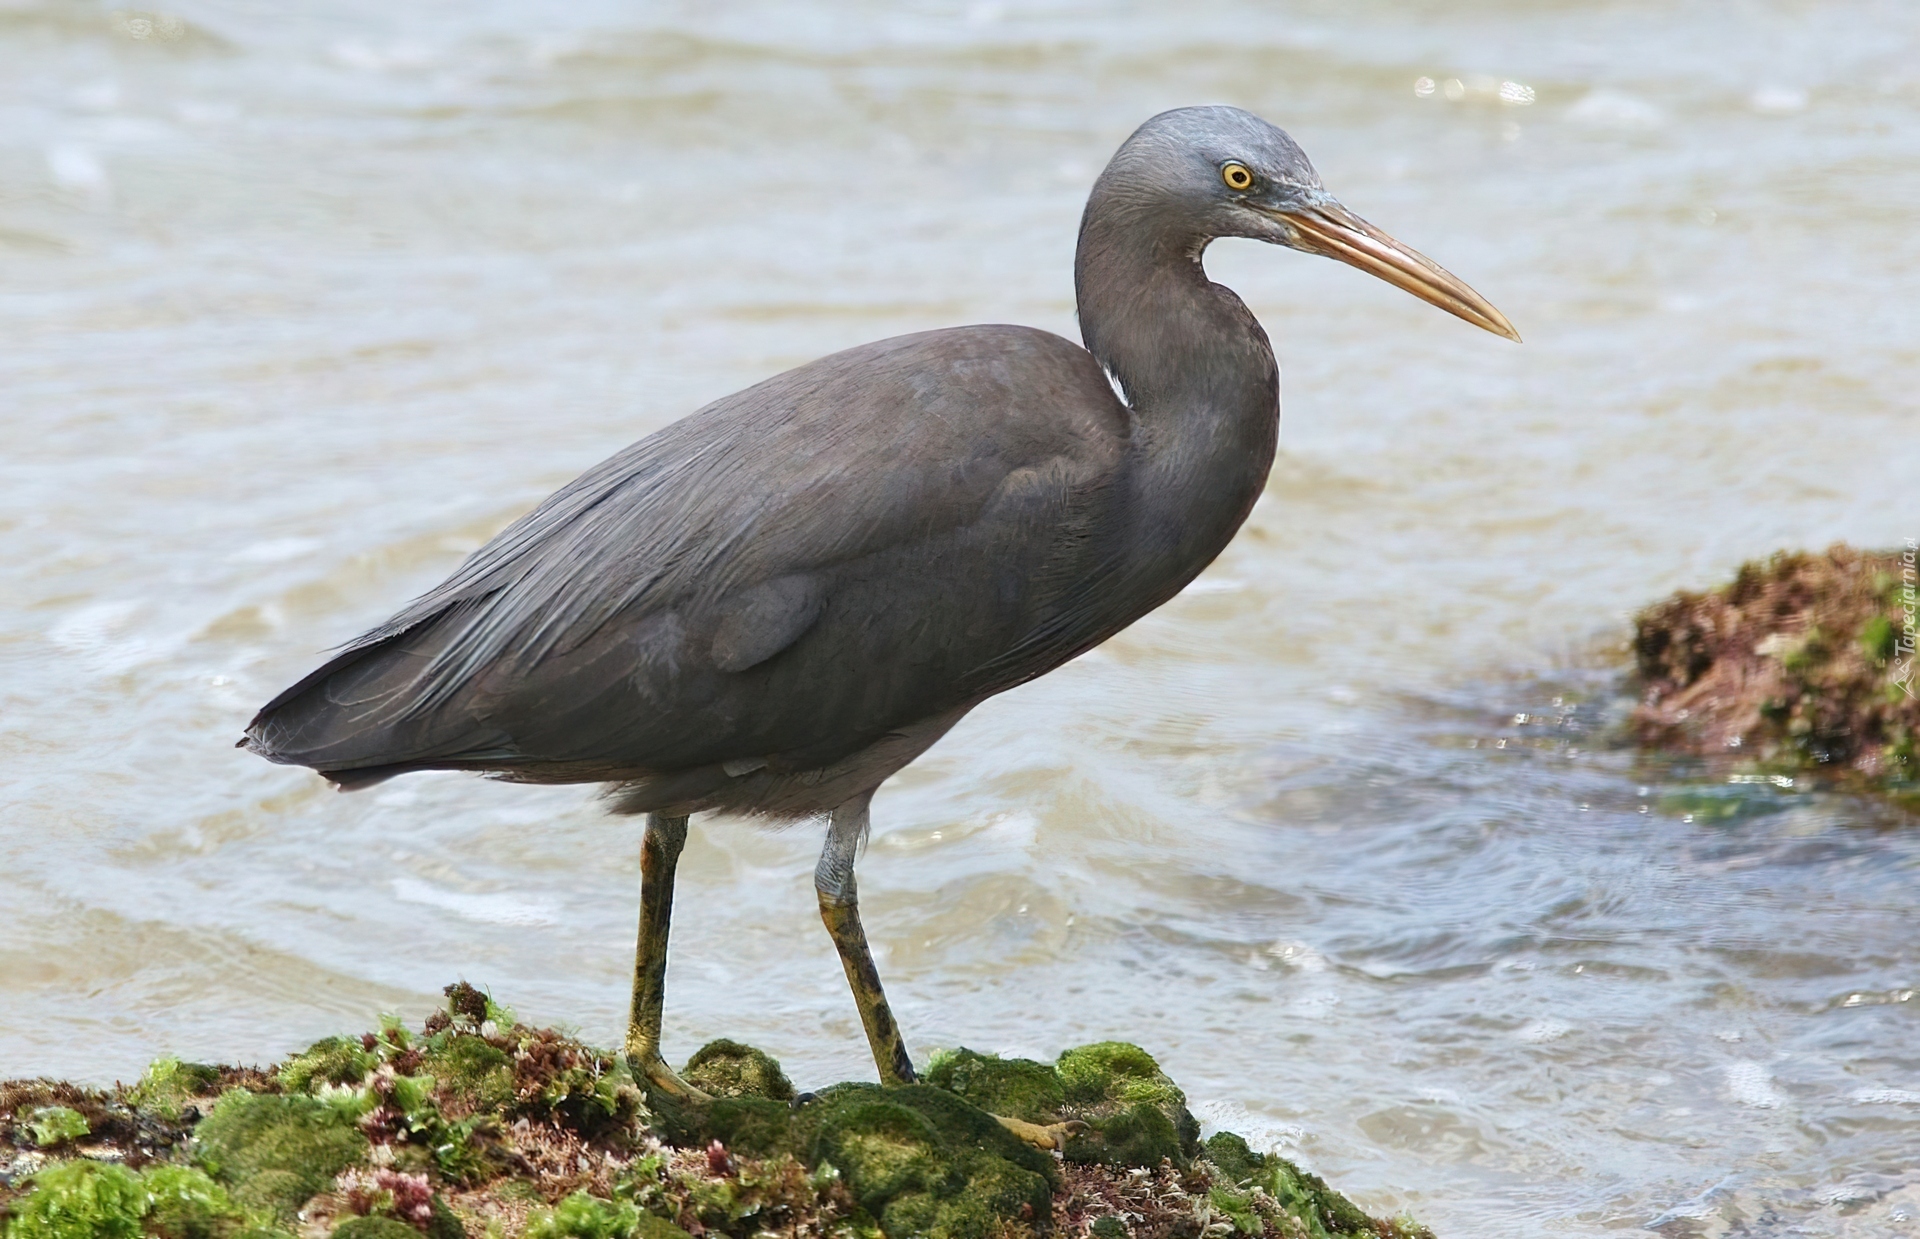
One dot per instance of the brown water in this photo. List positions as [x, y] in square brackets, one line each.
[301, 302]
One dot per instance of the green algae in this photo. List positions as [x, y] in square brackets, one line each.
[1253, 1187]
[918, 1159]
[473, 1070]
[454, 1129]
[374, 1228]
[54, 1125]
[186, 1204]
[581, 1216]
[728, 1069]
[275, 1151]
[1135, 1116]
[82, 1200]
[922, 1161]
[330, 1060]
[1018, 1088]
[102, 1200]
[169, 1084]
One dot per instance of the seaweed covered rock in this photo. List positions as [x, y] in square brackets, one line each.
[1801, 663]
[478, 1125]
[1133, 1115]
[276, 1151]
[918, 1160]
[170, 1088]
[373, 1228]
[104, 1200]
[1259, 1192]
[728, 1069]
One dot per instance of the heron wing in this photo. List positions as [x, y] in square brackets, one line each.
[865, 541]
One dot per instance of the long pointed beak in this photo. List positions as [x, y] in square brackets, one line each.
[1331, 229]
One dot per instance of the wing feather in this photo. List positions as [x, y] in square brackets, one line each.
[926, 501]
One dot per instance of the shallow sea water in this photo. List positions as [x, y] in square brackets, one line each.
[298, 304]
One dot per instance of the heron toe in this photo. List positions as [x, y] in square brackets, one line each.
[1051, 1136]
[658, 1075]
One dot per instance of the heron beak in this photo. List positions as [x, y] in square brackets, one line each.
[1330, 229]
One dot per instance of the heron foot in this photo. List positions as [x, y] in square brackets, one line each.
[1049, 1136]
[658, 1075]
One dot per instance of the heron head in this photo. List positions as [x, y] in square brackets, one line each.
[1227, 173]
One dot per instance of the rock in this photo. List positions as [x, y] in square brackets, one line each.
[1135, 1115]
[920, 1160]
[1252, 1188]
[185, 1204]
[1802, 663]
[275, 1151]
[729, 1069]
[82, 1200]
[170, 1084]
[101, 1200]
[374, 1228]
[474, 1124]
[330, 1060]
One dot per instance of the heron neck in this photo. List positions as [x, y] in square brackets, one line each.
[1199, 378]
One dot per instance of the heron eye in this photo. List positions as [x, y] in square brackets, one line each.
[1236, 176]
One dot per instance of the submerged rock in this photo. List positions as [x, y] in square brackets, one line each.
[1802, 663]
[478, 1125]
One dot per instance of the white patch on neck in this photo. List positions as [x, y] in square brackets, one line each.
[1119, 388]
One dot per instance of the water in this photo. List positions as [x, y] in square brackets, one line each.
[302, 302]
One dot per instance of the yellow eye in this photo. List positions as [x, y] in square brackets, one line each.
[1236, 176]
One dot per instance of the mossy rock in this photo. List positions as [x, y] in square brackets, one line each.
[472, 1069]
[330, 1060]
[82, 1200]
[651, 1227]
[102, 1200]
[168, 1084]
[185, 1204]
[922, 1161]
[275, 1151]
[374, 1228]
[1321, 1212]
[582, 1216]
[1234, 1159]
[445, 1225]
[52, 1126]
[729, 1069]
[919, 1159]
[1135, 1115]
[1796, 667]
[1017, 1088]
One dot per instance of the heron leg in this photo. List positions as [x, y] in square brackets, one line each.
[659, 855]
[840, 909]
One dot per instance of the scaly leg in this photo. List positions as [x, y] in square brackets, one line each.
[659, 854]
[840, 909]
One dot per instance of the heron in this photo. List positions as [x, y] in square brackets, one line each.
[771, 606]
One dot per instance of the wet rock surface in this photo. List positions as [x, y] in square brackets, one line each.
[477, 1125]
